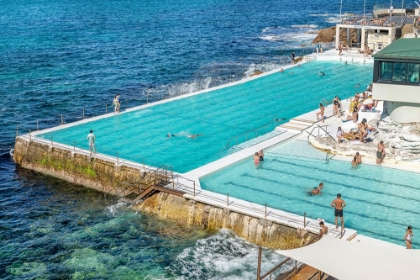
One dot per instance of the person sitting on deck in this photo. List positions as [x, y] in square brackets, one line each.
[337, 106]
[339, 134]
[353, 116]
[323, 229]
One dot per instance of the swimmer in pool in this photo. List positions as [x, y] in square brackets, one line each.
[321, 73]
[192, 136]
[356, 86]
[170, 135]
[318, 189]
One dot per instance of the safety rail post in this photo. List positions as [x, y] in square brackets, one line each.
[304, 219]
[194, 188]
[37, 125]
[259, 263]
[227, 199]
[173, 182]
[83, 113]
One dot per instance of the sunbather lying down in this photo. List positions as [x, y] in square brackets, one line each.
[353, 134]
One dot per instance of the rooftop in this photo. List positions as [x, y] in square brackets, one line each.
[401, 49]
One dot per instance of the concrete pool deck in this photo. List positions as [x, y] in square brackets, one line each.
[189, 182]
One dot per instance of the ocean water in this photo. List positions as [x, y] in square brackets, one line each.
[59, 59]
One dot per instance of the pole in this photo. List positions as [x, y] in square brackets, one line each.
[194, 188]
[259, 263]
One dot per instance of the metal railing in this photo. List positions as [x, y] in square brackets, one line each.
[319, 135]
[280, 265]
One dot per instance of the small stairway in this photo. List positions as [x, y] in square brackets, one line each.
[296, 124]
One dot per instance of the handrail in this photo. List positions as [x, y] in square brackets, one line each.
[261, 277]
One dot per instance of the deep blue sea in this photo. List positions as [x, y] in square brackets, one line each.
[60, 58]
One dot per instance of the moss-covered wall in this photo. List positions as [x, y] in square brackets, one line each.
[93, 173]
[258, 231]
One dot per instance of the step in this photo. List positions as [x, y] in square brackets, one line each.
[304, 120]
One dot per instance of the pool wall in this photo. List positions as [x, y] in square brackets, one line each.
[259, 231]
[98, 173]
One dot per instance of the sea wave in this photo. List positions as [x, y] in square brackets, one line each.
[223, 256]
[304, 26]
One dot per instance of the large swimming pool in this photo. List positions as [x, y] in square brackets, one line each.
[217, 115]
[381, 202]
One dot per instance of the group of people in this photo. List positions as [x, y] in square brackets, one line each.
[338, 204]
[258, 157]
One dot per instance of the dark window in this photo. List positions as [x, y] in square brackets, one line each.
[413, 72]
[385, 71]
[400, 70]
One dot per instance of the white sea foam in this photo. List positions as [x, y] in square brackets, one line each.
[304, 26]
[270, 28]
[223, 256]
[271, 38]
[113, 209]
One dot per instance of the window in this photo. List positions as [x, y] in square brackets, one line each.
[385, 71]
[400, 70]
[413, 72]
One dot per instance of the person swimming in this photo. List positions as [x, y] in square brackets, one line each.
[320, 73]
[256, 159]
[192, 136]
[356, 86]
[318, 189]
[170, 135]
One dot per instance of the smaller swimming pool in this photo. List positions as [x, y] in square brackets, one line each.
[381, 202]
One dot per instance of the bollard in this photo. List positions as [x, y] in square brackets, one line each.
[83, 113]
[304, 219]
[227, 199]
[37, 126]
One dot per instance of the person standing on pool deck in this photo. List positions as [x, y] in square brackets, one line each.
[407, 237]
[338, 205]
[91, 138]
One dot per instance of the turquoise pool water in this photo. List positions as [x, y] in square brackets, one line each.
[218, 115]
[381, 202]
